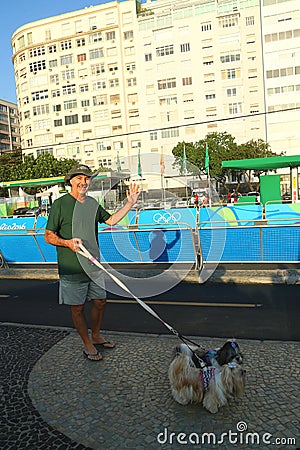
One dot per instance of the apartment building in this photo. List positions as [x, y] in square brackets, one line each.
[77, 85]
[281, 40]
[203, 72]
[9, 127]
[104, 83]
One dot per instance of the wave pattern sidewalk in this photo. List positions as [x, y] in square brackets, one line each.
[55, 399]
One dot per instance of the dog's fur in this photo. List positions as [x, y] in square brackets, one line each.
[190, 367]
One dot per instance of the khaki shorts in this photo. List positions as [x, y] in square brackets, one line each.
[73, 291]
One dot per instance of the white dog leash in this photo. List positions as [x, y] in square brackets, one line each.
[84, 252]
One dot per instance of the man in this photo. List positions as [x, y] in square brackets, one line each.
[73, 221]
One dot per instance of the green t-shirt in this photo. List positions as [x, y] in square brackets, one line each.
[69, 219]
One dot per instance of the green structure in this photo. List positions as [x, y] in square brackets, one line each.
[269, 184]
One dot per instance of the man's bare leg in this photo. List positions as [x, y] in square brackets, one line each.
[97, 314]
[80, 324]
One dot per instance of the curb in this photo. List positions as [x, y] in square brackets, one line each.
[271, 276]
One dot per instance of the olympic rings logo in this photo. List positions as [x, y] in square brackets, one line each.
[167, 217]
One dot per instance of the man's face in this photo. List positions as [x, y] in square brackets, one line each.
[80, 184]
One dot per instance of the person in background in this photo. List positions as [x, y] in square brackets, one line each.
[73, 221]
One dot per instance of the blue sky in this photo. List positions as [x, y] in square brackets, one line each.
[16, 13]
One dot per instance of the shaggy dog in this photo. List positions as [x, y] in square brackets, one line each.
[208, 377]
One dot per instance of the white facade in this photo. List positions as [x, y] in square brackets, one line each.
[281, 30]
[101, 83]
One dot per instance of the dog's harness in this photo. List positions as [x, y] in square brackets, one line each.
[206, 374]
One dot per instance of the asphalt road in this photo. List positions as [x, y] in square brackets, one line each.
[212, 310]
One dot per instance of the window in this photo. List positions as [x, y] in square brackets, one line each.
[37, 65]
[38, 51]
[170, 132]
[81, 57]
[132, 98]
[153, 135]
[55, 93]
[70, 89]
[54, 78]
[80, 42]
[70, 120]
[168, 116]
[115, 114]
[70, 104]
[52, 48]
[133, 113]
[103, 145]
[148, 57]
[228, 21]
[167, 83]
[136, 144]
[225, 58]
[235, 108]
[230, 74]
[185, 47]
[117, 129]
[249, 20]
[97, 69]
[95, 37]
[53, 63]
[165, 50]
[96, 53]
[254, 109]
[211, 112]
[101, 114]
[187, 81]
[58, 122]
[130, 67]
[128, 35]
[118, 145]
[114, 82]
[56, 108]
[84, 88]
[39, 95]
[131, 81]
[65, 45]
[206, 26]
[73, 150]
[170, 100]
[210, 96]
[101, 84]
[40, 109]
[189, 114]
[85, 103]
[67, 59]
[110, 35]
[100, 100]
[231, 92]
[48, 35]
[252, 73]
[68, 74]
[104, 162]
[86, 118]
[129, 51]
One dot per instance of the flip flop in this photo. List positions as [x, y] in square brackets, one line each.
[90, 356]
[106, 344]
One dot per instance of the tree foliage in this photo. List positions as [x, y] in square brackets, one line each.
[221, 147]
[13, 167]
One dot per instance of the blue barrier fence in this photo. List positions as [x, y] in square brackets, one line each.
[222, 234]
